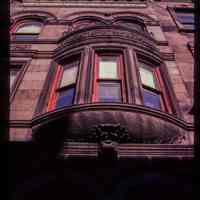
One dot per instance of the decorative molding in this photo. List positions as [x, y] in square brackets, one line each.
[107, 34]
[19, 47]
[131, 150]
[34, 41]
[168, 56]
[31, 53]
[106, 133]
[26, 14]
[60, 113]
[20, 123]
[88, 4]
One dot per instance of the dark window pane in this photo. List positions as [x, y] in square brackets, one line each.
[186, 19]
[25, 37]
[109, 92]
[151, 99]
[65, 97]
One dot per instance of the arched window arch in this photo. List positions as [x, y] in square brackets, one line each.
[85, 22]
[27, 30]
[130, 23]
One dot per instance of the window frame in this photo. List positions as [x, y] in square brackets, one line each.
[24, 23]
[120, 72]
[160, 89]
[22, 69]
[179, 25]
[55, 89]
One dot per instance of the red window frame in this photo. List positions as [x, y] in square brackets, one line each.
[56, 88]
[53, 94]
[119, 79]
[159, 87]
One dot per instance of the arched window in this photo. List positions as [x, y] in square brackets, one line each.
[64, 85]
[27, 31]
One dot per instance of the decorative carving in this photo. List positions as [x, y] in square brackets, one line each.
[109, 32]
[109, 133]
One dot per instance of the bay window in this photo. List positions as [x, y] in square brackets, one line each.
[108, 83]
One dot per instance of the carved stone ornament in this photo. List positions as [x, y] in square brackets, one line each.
[108, 34]
[108, 133]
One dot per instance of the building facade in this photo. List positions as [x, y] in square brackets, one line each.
[103, 80]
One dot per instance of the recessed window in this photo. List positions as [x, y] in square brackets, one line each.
[27, 31]
[64, 86]
[152, 87]
[184, 18]
[151, 99]
[14, 71]
[108, 81]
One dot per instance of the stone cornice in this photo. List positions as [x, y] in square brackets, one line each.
[146, 151]
[86, 3]
[58, 114]
[106, 34]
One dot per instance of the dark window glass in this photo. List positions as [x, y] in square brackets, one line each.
[25, 36]
[65, 97]
[151, 99]
[185, 19]
[109, 92]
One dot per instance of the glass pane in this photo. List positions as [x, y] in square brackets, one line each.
[151, 99]
[69, 76]
[109, 92]
[108, 67]
[13, 75]
[186, 19]
[147, 77]
[25, 37]
[29, 29]
[65, 97]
